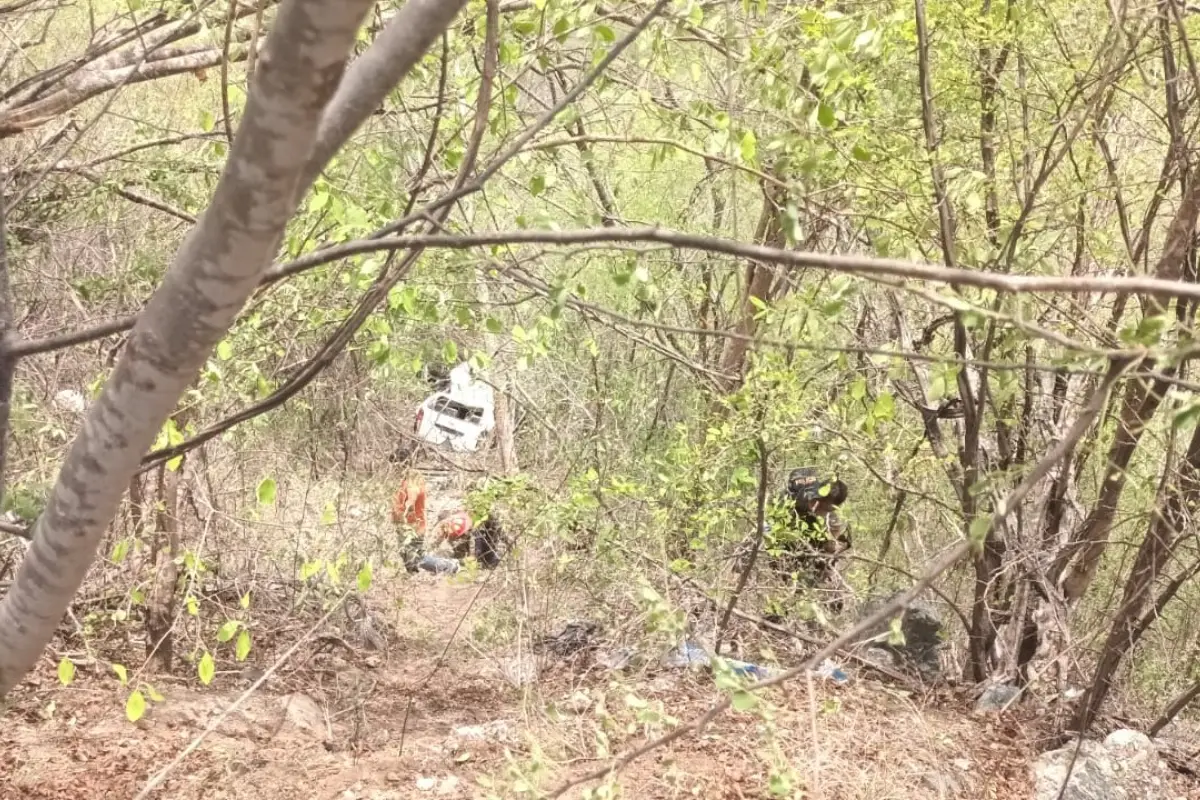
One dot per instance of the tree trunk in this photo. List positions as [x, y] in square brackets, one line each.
[763, 283]
[1173, 514]
[1075, 568]
[213, 274]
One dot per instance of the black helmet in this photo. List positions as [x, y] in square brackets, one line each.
[805, 485]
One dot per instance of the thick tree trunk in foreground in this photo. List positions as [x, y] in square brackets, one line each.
[216, 269]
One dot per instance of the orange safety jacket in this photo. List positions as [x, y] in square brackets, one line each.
[409, 505]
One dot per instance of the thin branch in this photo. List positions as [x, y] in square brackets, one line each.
[760, 526]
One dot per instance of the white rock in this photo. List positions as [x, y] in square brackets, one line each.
[1128, 738]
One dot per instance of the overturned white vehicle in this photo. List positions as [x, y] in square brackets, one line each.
[461, 416]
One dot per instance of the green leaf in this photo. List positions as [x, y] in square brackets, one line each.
[155, 697]
[825, 116]
[135, 706]
[224, 350]
[860, 153]
[885, 407]
[66, 671]
[266, 491]
[493, 325]
[226, 631]
[244, 602]
[120, 550]
[206, 669]
[605, 34]
[537, 185]
[207, 121]
[193, 606]
[749, 147]
[364, 577]
[450, 352]
[242, 648]
[1187, 416]
[309, 569]
[744, 701]
[122, 673]
[979, 529]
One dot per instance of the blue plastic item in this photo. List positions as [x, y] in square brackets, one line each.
[748, 670]
[833, 672]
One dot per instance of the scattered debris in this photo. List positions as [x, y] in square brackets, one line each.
[519, 671]
[688, 654]
[618, 659]
[70, 400]
[576, 636]
[499, 730]
[439, 565]
[833, 671]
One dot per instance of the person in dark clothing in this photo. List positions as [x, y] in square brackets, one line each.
[815, 536]
[484, 541]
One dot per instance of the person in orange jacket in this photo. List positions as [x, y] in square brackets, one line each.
[408, 514]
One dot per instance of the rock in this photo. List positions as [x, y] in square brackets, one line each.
[881, 656]
[1124, 767]
[1128, 739]
[302, 713]
[922, 627]
[426, 784]
[996, 698]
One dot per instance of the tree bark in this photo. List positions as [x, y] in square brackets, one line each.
[763, 283]
[213, 274]
[1076, 566]
[1173, 514]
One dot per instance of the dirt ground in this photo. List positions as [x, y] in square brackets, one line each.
[332, 726]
